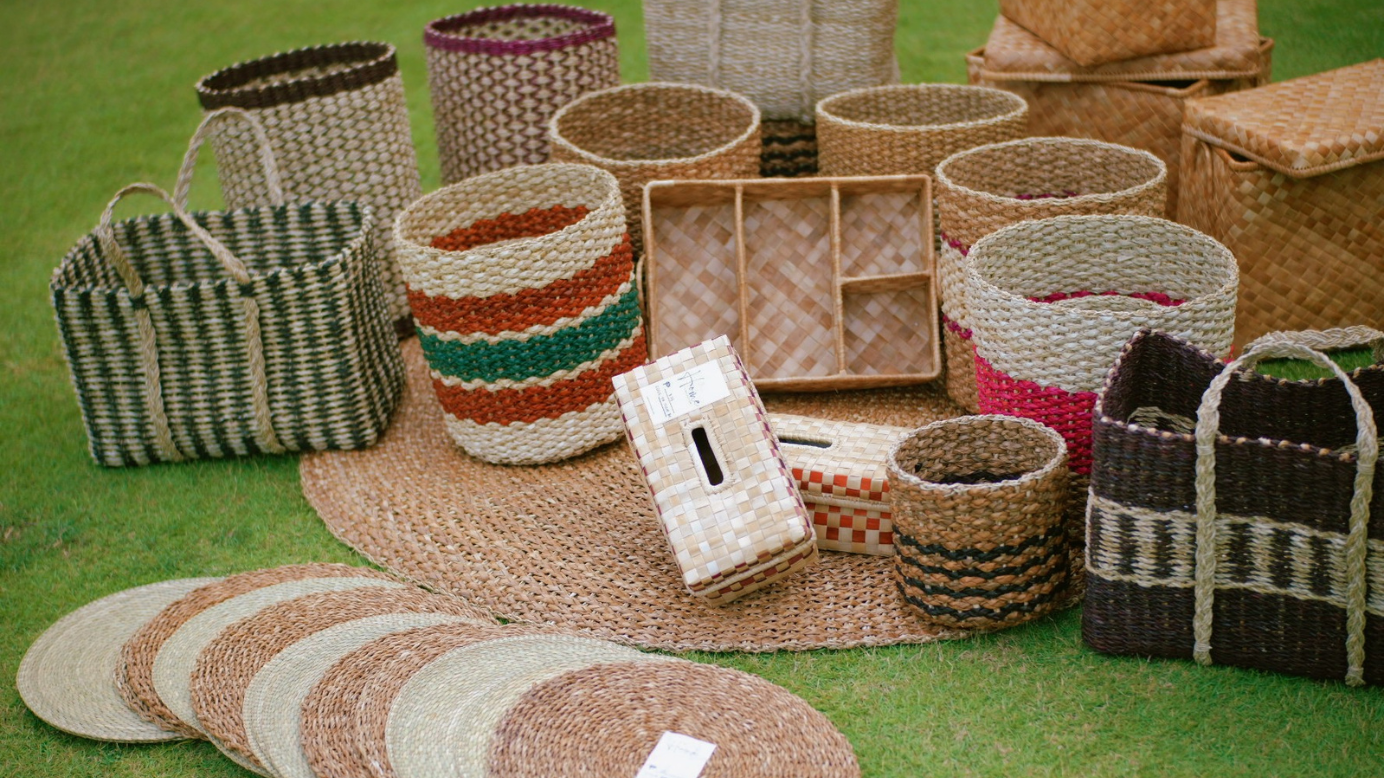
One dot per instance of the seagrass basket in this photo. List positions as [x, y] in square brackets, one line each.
[498, 74]
[522, 288]
[978, 506]
[986, 188]
[338, 123]
[1052, 302]
[255, 330]
[644, 132]
[1093, 32]
[910, 128]
[1291, 178]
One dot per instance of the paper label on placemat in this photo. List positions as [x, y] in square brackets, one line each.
[685, 392]
[676, 756]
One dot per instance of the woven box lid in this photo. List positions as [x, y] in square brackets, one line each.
[727, 503]
[1015, 54]
[1093, 32]
[1303, 127]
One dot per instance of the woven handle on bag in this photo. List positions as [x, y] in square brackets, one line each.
[273, 182]
[1356, 549]
[1327, 340]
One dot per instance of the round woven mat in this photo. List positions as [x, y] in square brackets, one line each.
[605, 720]
[274, 699]
[135, 675]
[68, 676]
[226, 666]
[442, 721]
[577, 543]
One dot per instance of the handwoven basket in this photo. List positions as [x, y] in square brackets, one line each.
[258, 330]
[339, 127]
[910, 128]
[983, 189]
[977, 505]
[643, 132]
[1291, 178]
[498, 74]
[1231, 513]
[783, 56]
[1093, 32]
[522, 288]
[1052, 302]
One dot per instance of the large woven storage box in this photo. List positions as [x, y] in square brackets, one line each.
[498, 74]
[1093, 32]
[1053, 301]
[1137, 102]
[728, 505]
[783, 56]
[256, 330]
[983, 189]
[522, 286]
[339, 127]
[1291, 178]
[1234, 516]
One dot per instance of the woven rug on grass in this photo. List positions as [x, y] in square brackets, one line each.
[577, 543]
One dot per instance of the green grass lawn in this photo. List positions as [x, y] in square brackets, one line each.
[97, 95]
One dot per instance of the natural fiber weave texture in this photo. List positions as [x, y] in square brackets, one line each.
[227, 666]
[339, 127]
[789, 150]
[785, 56]
[910, 128]
[644, 132]
[1093, 32]
[523, 290]
[511, 545]
[68, 675]
[498, 74]
[983, 189]
[604, 720]
[1255, 541]
[978, 507]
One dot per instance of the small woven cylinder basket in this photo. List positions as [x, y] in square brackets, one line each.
[910, 128]
[522, 288]
[1052, 302]
[977, 504]
[981, 190]
[339, 127]
[498, 74]
[644, 132]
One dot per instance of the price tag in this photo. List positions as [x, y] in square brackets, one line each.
[676, 756]
[685, 392]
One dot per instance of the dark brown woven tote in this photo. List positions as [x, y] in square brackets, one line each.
[1259, 545]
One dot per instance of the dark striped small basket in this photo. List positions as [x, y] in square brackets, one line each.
[977, 505]
[1235, 517]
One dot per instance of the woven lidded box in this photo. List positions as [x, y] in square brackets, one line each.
[729, 506]
[1290, 178]
[840, 470]
[1093, 32]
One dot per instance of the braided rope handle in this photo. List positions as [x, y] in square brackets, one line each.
[1327, 340]
[105, 233]
[1356, 549]
[273, 181]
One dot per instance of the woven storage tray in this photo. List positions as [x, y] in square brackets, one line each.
[728, 505]
[1291, 178]
[820, 283]
[1093, 32]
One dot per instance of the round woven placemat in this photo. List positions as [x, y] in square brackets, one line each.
[67, 677]
[226, 666]
[135, 674]
[604, 720]
[443, 718]
[273, 708]
[577, 543]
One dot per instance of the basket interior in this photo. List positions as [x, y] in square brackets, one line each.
[656, 123]
[1057, 168]
[926, 105]
[515, 28]
[985, 451]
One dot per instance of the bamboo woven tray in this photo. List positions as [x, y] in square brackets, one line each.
[822, 283]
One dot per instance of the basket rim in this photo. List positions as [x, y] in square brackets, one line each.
[442, 33]
[1056, 460]
[946, 181]
[370, 62]
[1018, 109]
[555, 135]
